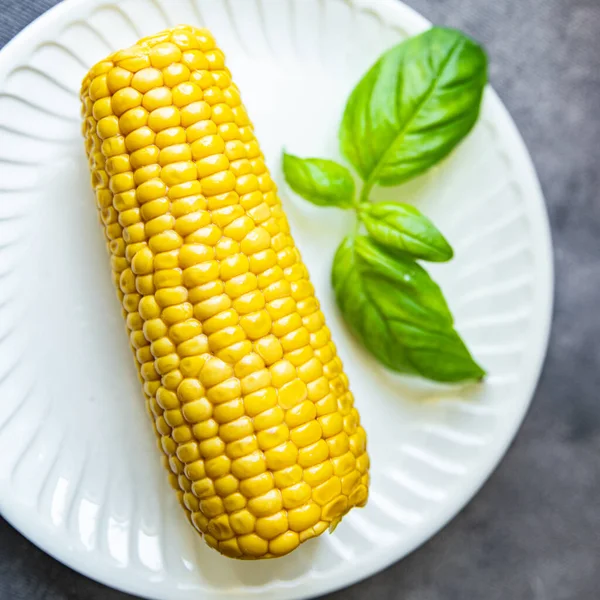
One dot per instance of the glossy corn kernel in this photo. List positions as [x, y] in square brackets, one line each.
[248, 397]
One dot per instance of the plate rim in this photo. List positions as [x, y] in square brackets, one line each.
[45, 538]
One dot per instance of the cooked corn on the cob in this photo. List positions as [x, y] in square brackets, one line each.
[247, 395]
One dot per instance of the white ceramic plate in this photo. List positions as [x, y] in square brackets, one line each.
[79, 475]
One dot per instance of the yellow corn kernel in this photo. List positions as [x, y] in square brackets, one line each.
[118, 164]
[172, 379]
[146, 173]
[190, 223]
[282, 456]
[203, 78]
[301, 413]
[211, 165]
[318, 473]
[259, 401]
[185, 94]
[214, 95]
[163, 118]
[188, 452]
[197, 411]
[304, 517]
[219, 466]
[313, 454]
[257, 486]
[132, 62]
[212, 447]
[210, 235]
[208, 145]
[165, 258]
[171, 296]
[273, 436]
[350, 481]
[266, 504]
[327, 491]
[250, 302]
[234, 149]
[249, 400]
[179, 152]
[147, 79]
[296, 495]
[194, 60]
[288, 476]
[251, 363]
[197, 115]
[306, 434]
[163, 223]
[212, 306]
[157, 98]
[191, 389]
[225, 215]
[164, 364]
[292, 393]
[198, 129]
[256, 325]
[234, 502]
[107, 127]
[113, 146]
[101, 108]
[163, 54]
[242, 447]
[125, 99]
[175, 74]
[284, 543]
[170, 136]
[200, 522]
[220, 529]
[237, 429]
[211, 507]
[256, 381]
[224, 391]
[242, 522]
[98, 88]
[270, 527]
[177, 313]
[226, 485]
[249, 466]
[228, 411]
[179, 172]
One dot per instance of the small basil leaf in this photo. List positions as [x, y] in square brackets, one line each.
[402, 227]
[322, 182]
[398, 313]
[415, 296]
[414, 106]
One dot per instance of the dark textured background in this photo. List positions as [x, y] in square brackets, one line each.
[533, 533]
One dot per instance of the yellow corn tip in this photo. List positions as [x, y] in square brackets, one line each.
[248, 397]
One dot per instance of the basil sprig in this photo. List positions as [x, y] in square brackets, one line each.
[322, 182]
[418, 101]
[399, 313]
[399, 226]
[410, 110]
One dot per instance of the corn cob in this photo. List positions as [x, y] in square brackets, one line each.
[247, 395]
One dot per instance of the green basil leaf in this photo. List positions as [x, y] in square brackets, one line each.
[399, 226]
[322, 182]
[414, 106]
[399, 313]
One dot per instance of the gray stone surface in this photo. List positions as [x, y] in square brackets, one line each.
[533, 532]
